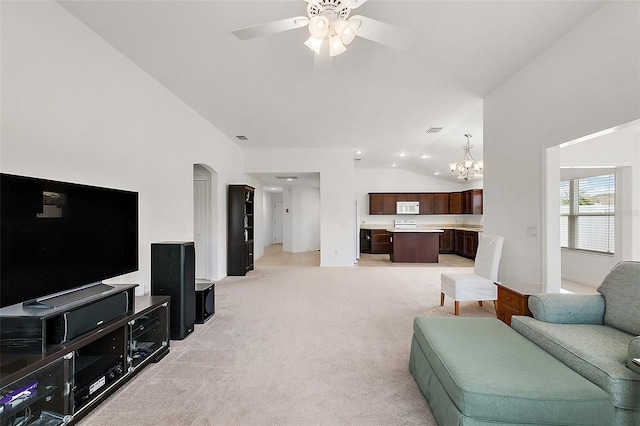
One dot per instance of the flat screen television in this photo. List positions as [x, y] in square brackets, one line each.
[58, 237]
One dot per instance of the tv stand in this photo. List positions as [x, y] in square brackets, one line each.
[29, 329]
[68, 297]
[63, 384]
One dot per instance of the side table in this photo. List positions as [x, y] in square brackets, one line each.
[513, 299]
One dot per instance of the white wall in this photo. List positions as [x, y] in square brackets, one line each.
[306, 236]
[588, 81]
[394, 180]
[75, 109]
[337, 227]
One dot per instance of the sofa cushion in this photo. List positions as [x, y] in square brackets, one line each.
[621, 291]
[565, 308]
[597, 352]
[494, 375]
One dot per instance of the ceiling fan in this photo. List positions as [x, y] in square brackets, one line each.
[331, 27]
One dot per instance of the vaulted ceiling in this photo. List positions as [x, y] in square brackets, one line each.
[372, 98]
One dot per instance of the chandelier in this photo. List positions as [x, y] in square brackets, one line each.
[468, 167]
[328, 22]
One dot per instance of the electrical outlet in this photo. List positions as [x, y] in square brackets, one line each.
[532, 231]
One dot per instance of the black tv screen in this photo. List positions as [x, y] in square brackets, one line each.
[58, 236]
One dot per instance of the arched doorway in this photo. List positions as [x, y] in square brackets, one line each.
[205, 220]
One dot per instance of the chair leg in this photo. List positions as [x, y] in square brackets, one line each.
[441, 299]
[480, 303]
[456, 307]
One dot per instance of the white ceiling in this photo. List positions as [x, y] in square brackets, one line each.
[371, 98]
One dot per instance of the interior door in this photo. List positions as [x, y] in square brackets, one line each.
[277, 222]
[200, 227]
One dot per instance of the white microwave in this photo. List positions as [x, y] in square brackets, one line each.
[407, 207]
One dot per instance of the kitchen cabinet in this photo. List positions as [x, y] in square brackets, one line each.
[472, 201]
[380, 241]
[375, 203]
[413, 246]
[382, 204]
[407, 197]
[441, 203]
[465, 202]
[427, 203]
[455, 203]
[365, 241]
[389, 204]
[466, 243]
[446, 241]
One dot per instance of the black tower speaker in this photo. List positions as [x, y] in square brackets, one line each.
[205, 301]
[173, 273]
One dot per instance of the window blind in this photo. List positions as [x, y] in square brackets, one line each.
[587, 213]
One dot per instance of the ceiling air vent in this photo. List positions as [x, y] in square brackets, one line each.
[434, 129]
[242, 138]
[287, 177]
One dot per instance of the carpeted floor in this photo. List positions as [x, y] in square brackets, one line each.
[294, 346]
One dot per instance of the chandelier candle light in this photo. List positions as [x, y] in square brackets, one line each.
[328, 21]
[468, 167]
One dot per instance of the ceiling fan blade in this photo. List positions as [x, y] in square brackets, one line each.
[271, 27]
[382, 33]
[354, 4]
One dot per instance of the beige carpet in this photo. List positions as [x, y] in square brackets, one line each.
[294, 346]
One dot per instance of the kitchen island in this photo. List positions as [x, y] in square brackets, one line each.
[415, 245]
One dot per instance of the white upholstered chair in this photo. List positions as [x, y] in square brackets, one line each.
[481, 284]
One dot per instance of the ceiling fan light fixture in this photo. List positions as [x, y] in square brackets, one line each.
[314, 44]
[319, 27]
[335, 46]
[350, 30]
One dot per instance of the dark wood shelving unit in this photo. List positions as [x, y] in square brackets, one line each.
[72, 378]
[240, 229]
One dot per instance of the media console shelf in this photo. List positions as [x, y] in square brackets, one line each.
[62, 384]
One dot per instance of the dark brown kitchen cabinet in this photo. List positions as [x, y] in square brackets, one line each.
[382, 204]
[455, 203]
[365, 241]
[407, 197]
[389, 203]
[446, 241]
[472, 201]
[465, 202]
[441, 202]
[380, 241]
[427, 203]
[466, 243]
[375, 203]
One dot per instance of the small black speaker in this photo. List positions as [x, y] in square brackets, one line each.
[205, 301]
[173, 273]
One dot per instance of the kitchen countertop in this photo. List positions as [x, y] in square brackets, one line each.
[426, 228]
[413, 230]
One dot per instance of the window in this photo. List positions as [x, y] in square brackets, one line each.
[587, 213]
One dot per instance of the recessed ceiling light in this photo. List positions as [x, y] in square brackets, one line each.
[436, 173]
[358, 152]
[402, 154]
[425, 156]
[393, 165]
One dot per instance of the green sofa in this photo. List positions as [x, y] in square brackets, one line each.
[479, 371]
[597, 335]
